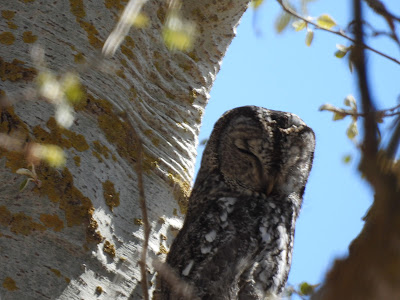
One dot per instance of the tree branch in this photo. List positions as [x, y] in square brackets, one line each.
[372, 268]
[389, 112]
[337, 32]
[358, 57]
[145, 219]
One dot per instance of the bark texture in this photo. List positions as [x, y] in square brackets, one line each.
[79, 235]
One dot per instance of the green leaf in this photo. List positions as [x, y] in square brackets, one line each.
[299, 25]
[347, 158]
[203, 142]
[342, 50]
[338, 116]
[26, 172]
[326, 21]
[328, 107]
[340, 54]
[141, 21]
[309, 37]
[177, 39]
[256, 3]
[306, 288]
[282, 22]
[24, 184]
[352, 131]
[72, 88]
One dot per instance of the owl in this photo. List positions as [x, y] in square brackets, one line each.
[237, 238]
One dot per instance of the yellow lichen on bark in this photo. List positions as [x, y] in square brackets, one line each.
[28, 37]
[19, 223]
[56, 272]
[7, 14]
[78, 10]
[77, 160]
[115, 4]
[101, 149]
[60, 189]
[109, 248]
[52, 221]
[7, 38]
[79, 58]
[181, 190]
[118, 131]
[10, 284]
[57, 134]
[111, 196]
[14, 71]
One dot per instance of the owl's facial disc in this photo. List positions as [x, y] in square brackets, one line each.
[258, 153]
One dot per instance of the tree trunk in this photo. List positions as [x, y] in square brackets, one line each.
[78, 234]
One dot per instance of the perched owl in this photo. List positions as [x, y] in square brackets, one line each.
[237, 238]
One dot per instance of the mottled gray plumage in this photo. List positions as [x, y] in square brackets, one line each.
[237, 238]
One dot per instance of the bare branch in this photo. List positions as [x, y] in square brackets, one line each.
[145, 219]
[368, 108]
[337, 32]
[381, 9]
[371, 270]
[394, 141]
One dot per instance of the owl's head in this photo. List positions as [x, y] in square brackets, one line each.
[260, 151]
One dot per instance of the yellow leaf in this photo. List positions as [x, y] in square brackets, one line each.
[328, 107]
[340, 54]
[25, 172]
[306, 288]
[72, 88]
[52, 154]
[326, 21]
[309, 37]
[347, 159]
[24, 184]
[178, 34]
[338, 116]
[141, 21]
[282, 22]
[352, 131]
[256, 3]
[299, 25]
[177, 39]
[350, 101]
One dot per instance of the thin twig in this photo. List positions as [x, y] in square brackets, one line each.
[145, 219]
[337, 32]
[394, 141]
[380, 9]
[389, 112]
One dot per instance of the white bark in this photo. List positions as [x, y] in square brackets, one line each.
[161, 94]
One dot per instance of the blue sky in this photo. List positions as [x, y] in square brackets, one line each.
[280, 72]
